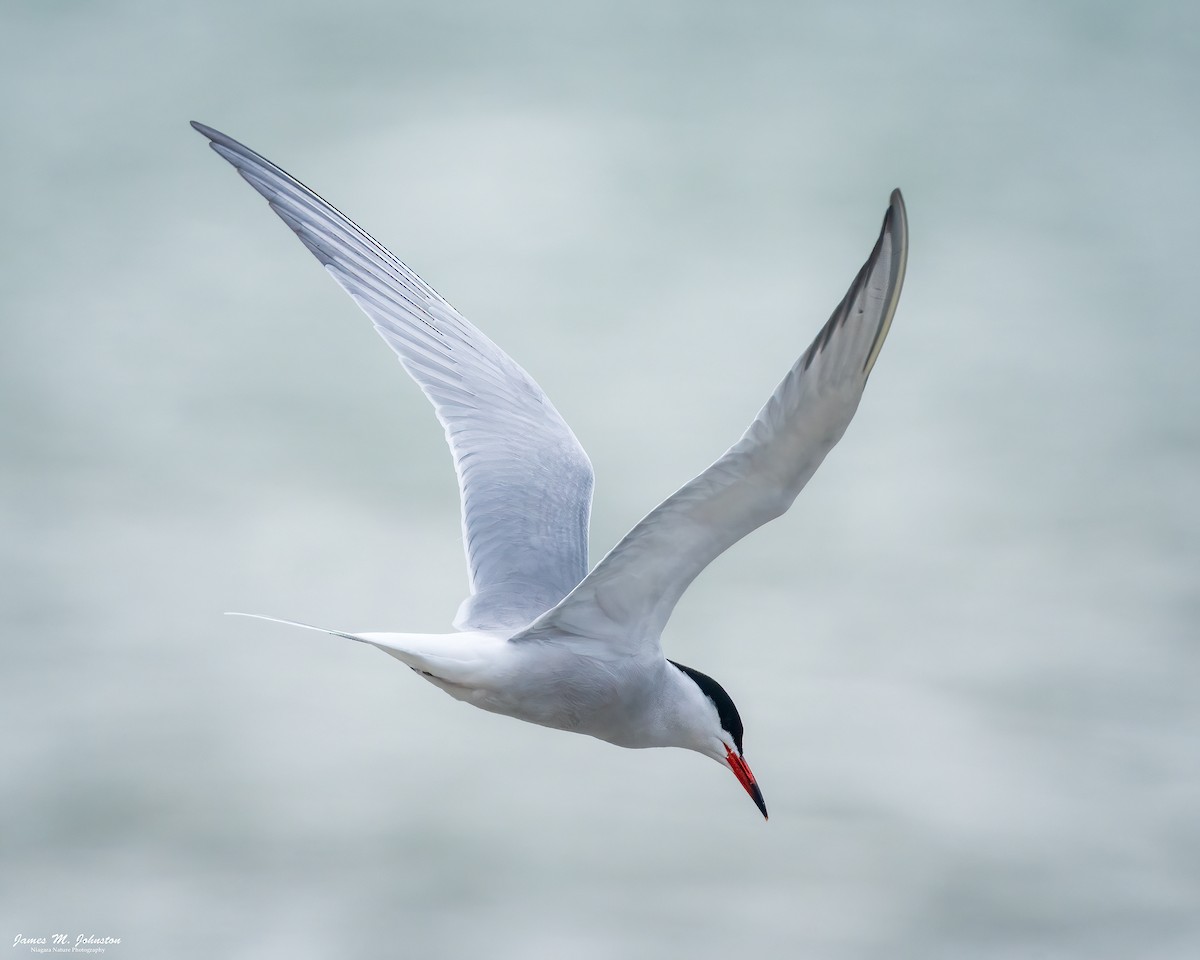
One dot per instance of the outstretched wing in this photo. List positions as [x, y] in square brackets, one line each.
[526, 483]
[625, 602]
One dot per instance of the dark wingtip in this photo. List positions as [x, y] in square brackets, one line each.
[215, 137]
[895, 209]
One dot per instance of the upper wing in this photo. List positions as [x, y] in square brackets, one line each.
[625, 602]
[526, 483]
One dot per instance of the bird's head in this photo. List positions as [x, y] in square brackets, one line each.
[720, 733]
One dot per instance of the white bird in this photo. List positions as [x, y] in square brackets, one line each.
[540, 638]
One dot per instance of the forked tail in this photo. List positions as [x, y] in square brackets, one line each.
[296, 623]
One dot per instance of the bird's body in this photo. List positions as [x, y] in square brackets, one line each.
[539, 637]
[630, 701]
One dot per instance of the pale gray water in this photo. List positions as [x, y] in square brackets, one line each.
[978, 727]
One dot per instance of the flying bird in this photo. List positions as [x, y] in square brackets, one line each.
[539, 636]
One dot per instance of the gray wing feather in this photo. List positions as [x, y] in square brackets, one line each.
[625, 602]
[525, 481]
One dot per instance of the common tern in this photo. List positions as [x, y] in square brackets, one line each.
[539, 637]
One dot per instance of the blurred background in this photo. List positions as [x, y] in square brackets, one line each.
[967, 660]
